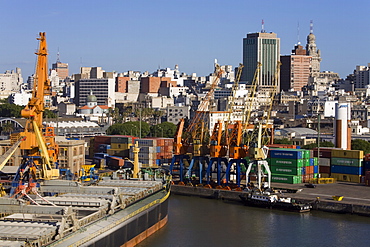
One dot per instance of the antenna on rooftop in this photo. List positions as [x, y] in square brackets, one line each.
[263, 27]
[311, 26]
[298, 34]
[58, 56]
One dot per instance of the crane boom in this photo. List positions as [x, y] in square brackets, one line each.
[39, 148]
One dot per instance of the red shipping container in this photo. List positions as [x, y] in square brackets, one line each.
[324, 169]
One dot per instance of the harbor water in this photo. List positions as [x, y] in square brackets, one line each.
[194, 221]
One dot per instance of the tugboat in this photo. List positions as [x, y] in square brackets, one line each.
[268, 200]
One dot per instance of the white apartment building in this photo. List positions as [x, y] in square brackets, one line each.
[10, 82]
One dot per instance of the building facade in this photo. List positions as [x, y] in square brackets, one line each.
[295, 69]
[261, 48]
[102, 88]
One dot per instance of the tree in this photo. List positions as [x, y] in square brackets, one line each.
[165, 129]
[49, 114]
[283, 141]
[322, 144]
[359, 144]
[10, 110]
[129, 128]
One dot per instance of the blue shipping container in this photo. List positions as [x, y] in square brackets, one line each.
[352, 170]
[286, 154]
[312, 162]
[316, 169]
[304, 170]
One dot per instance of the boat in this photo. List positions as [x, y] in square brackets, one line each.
[110, 212]
[272, 200]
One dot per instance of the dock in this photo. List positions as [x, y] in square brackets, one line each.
[356, 197]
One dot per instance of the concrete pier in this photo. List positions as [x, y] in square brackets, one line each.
[356, 197]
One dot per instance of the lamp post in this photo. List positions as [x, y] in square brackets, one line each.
[140, 123]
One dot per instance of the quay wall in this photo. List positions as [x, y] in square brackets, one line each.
[322, 205]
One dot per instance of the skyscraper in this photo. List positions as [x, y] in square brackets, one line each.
[263, 48]
[60, 68]
[295, 69]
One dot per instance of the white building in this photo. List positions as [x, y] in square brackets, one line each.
[21, 98]
[10, 82]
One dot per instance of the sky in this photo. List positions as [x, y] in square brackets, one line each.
[144, 35]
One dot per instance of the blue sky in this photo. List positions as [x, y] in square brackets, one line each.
[143, 35]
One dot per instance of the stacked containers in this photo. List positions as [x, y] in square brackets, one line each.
[346, 165]
[120, 146]
[153, 151]
[324, 158]
[286, 165]
[292, 165]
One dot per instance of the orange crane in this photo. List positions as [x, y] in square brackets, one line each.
[39, 149]
[194, 140]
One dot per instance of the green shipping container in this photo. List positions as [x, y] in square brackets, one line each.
[286, 162]
[306, 162]
[287, 179]
[306, 154]
[286, 170]
[315, 161]
[346, 162]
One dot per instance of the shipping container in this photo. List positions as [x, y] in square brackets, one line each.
[286, 170]
[351, 154]
[324, 161]
[309, 170]
[324, 152]
[147, 142]
[121, 139]
[346, 177]
[366, 165]
[287, 154]
[346, 162]
[324, 169]
[288, 179]
[315, 169]
[118, 152]
[353, 170]
[282, 146]
[285, 162]
[121, 146]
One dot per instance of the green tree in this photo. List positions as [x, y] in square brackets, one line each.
[49, 114]
[359, 144]
[322, 144]
[10, 110]
[283, 141]
[165, 129]
[129, 128]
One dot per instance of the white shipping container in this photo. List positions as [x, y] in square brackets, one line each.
[324, 161]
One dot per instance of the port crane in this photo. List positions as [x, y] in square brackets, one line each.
[261, 136]
[38, 146]
[194, 138]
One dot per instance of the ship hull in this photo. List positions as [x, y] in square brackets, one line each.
[136, 229]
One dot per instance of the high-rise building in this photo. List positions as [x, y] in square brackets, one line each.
[102, 88]
[312, 51]
[261, 48]
[295, 69]
[60, 68]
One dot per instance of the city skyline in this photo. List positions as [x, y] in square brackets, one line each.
[147, 35]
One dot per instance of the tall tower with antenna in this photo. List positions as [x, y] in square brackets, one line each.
[60, 68]
[312, 51]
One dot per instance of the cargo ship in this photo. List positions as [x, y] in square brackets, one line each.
[112, 212]
[267, 200]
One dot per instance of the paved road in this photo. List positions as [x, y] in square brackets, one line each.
[351, 192]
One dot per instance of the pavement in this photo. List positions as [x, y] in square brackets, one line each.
[352, 193]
